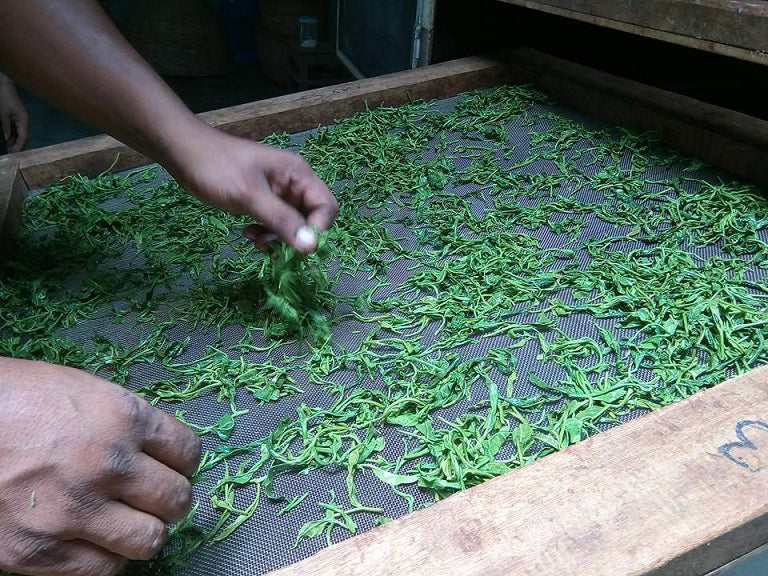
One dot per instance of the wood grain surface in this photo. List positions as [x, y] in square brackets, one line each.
[13, 191]
[290, 113]
[728, 139]
[680, 491]
[736, 28]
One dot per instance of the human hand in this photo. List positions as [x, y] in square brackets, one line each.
[89, 472]
[13, 116]
[276, 187]
[118, 92]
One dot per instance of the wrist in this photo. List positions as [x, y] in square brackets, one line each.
[175, 142]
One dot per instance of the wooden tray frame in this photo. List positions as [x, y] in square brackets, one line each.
[681, 491]
[734, 28]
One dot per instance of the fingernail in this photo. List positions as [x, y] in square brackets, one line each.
[305, 237]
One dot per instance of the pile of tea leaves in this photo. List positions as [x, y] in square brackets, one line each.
[505, 278]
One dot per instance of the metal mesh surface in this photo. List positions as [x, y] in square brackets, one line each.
[267, 540]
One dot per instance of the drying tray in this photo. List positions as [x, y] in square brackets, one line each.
[465, 533]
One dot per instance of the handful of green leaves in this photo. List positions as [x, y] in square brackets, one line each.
[296, 286]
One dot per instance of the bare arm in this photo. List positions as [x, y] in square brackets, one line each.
[71, 54]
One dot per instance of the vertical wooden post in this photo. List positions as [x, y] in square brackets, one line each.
[13, 192]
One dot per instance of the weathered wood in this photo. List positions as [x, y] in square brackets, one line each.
[291, 113]
[729, 140]
[680, 491]
[8, 170]
[89, 156]
[313, 108]
[728, 27]
[654, 496]
[13, 191]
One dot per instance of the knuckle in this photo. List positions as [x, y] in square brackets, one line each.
[33, 549]
[186, 446]
[145, 543]
[135, 410]
[176, 496]
[191, 452]
[95, 564]
[180, 500]
[187, 451]
[84, 504]
[116, 463]
[111, 466]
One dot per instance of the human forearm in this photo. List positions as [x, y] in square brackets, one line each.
[83, 65]
[71, 54]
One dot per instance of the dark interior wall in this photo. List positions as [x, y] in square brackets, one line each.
[377, 36]
[491, 25]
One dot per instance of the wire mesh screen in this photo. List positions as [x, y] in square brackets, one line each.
[505, 277]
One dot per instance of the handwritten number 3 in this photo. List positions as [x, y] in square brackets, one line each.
[735, 451]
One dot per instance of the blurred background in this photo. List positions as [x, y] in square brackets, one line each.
[220, 53]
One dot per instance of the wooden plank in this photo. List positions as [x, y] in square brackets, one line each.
[733, 28]
[88, 156]
[680, 491]
[313, 108]
[13, 192]
[291, 113]
[730, 140]
[8, 169]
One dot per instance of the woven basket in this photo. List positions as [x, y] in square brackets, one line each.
[178, 37]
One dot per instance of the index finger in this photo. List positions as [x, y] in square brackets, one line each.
[171, 442]
[319, 205]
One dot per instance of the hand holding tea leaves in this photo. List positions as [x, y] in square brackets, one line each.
[276, 187]
[90, 472]
[99, 78]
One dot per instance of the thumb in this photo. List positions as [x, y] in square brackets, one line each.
[286, 222]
